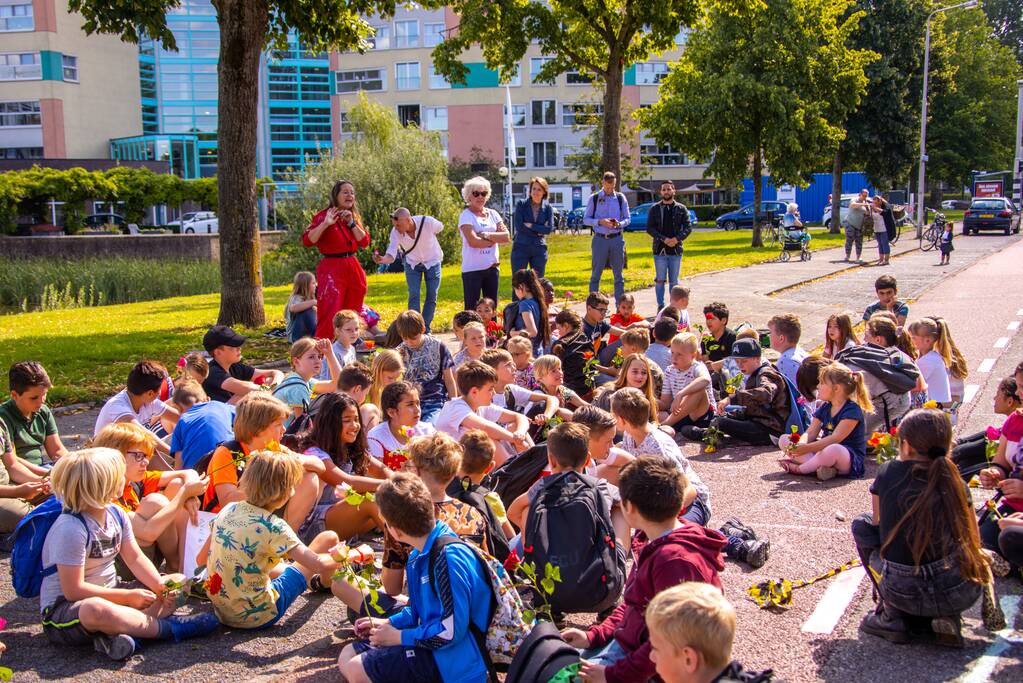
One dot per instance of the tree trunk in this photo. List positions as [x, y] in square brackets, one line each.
[836, 194]
[758, 192]
[243, 29]
[611, 152]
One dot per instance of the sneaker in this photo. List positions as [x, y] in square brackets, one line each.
[734, 527]
[693, 433]
[193, 625]
[118, 647]
[825, 473]
[881, 625]
[754, 553]
[316, 585]
[948, 631]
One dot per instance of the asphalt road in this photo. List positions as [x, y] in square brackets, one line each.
[807, 521]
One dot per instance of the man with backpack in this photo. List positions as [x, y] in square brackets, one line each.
[572, 521]
[607, 216]
[414, 243]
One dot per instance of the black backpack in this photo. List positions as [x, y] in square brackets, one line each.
[474, 495]
[514, 477]
[508, 317]
[541, 656]
[893, 370]
[570, 527]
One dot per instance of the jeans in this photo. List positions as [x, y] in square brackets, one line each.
[303, 324]
[607, 655]
[970, 452]
[1010, 544]
[935, 589]
[608, 251]
[477, 284]
[529, 254]
[414, 276]
[883, 248]
[744, 430]
[666, 267]
[853, 235]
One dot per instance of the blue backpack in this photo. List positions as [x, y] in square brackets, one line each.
[27, 554]
[799, 416]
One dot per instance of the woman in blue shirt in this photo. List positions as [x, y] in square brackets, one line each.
[534, 220]
[532, 321]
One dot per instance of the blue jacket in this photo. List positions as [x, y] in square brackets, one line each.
[438, 620]
[542, 226]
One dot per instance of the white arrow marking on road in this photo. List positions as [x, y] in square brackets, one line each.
[986, 365]
[1002, 342]
[832, 606]
[970, 392]
[982, 667]
[1013, 326]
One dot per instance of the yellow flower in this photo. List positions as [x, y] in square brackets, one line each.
[974, 482]
[709, 449]
[931, 404]
[273, 446]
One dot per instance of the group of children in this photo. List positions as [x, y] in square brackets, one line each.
[548, 438]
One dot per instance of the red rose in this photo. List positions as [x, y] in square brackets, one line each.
[512, 561]
[587, 355]
[894, 431]
[213, 584]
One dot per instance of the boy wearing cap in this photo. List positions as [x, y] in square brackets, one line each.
[759, 410]
[229, 378]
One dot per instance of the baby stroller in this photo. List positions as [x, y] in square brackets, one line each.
[795, 239]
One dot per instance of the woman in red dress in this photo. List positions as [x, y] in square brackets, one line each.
[340, 281]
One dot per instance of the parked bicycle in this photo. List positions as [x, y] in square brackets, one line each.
[932, 235]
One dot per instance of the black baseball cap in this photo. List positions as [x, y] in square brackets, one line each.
[747, 348]
[221, 335]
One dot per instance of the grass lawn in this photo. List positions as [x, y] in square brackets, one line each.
[88, 351]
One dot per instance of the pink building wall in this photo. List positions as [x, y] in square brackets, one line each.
[54, 144]
[476, 125]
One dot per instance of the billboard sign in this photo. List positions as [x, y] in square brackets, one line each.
[987, 188]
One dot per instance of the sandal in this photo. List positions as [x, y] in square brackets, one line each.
[790, 466]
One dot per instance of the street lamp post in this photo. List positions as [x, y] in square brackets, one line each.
[920, 215]
[1017, 169]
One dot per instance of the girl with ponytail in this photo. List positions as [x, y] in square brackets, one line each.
[836, 442]
[941, 363]
[921, 540]
[532, 320]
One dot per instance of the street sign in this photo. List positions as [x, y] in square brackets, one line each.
[987, 188]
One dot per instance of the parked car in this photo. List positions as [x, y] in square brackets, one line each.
[844, 210]
[743, 217]
[99, 220]
[955, 204]
[638, 215]
[185, 218]
[205, 223]
[991, 213]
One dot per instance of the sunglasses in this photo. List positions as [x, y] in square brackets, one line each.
[478, 193]
[138, 456]
[599, 309]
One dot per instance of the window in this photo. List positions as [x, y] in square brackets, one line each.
[437, 81]
[344, 124]
[516, 78]
[544, 113]
[660, 155]
[433, 34]
[16, 17]
[518, 115]
[17, 114]
[545, 154]
[381, 40]
[70, 66]
[581, 114]
[408, 114]
[23, 66]
[650, 73]
[436, 118]
[556, 198]
[21, 152]
[370, 80]
[406, 33]
[520, 157]
[535, 64]
[406, 75]
[576, 78]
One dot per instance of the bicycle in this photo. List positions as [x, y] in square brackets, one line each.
[932, 235]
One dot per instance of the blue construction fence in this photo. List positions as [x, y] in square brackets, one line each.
[811, 199]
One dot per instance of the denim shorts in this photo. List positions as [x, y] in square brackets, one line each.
[289, 585]
[398, 663]
[936, 589]
[607, 655]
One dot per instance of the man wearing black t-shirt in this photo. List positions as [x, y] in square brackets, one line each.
[229, 378]
[718, 345]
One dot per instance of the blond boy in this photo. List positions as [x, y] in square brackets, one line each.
[692, 627]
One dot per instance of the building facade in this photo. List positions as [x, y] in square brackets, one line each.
[63, 94]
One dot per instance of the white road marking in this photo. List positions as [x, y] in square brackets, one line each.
[834, 602]
[986, 365]
[1001, 343]
[1019, 312]
[970, 392]
[1013, 326]
[980, 669]
[802, 527]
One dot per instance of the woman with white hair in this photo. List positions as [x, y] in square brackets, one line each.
[791, 218]
[482, 229]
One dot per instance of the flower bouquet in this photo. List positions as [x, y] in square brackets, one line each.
[495, 333]
[395, 460]
[885, 445]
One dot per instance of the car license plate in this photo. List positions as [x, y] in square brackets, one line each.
[987, 215]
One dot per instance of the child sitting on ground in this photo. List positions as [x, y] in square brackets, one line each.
[474, 343]
[194, 366]
[297, 388]
[971, 451]
[460, 320]
[636, 373]
[28, 419]
[521, 350]
[551, 378]
[139, 402]
[258, 425]
[887, 300]
[157, 503]
[836, 442]
[486, 308]
[785, 331]
[347, 326]
[574, 348]
[82, 607]
[941, 364]
[808, 378]
[625, 316]
[429, 639]
[356, 380]
[660, 351]
[230, 379]
[474, 409]
[300, 308]
[250, 587]
[678, 300]
[511, 396]
[606, 459]
[839, 335]
[427, 363]
[921, 542]
[692, 628]
[386, 368]
[687, 399]
[477, 460]
[19, 486]
[1004, 473]
[202, 426]
[674, 551]
[717, 343]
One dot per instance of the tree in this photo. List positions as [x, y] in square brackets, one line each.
[587, 160]
[246, 28]
[1006, 17]
[137, 188]
[600, 38]
[973, 122]
[773, 84]
[11, 193]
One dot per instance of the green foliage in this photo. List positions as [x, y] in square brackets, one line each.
[1006, 16]
[73, 186]
[773, 84]
[391, 166]
[973, 122]
[136, 187]
[11, 194]
[587, 160]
